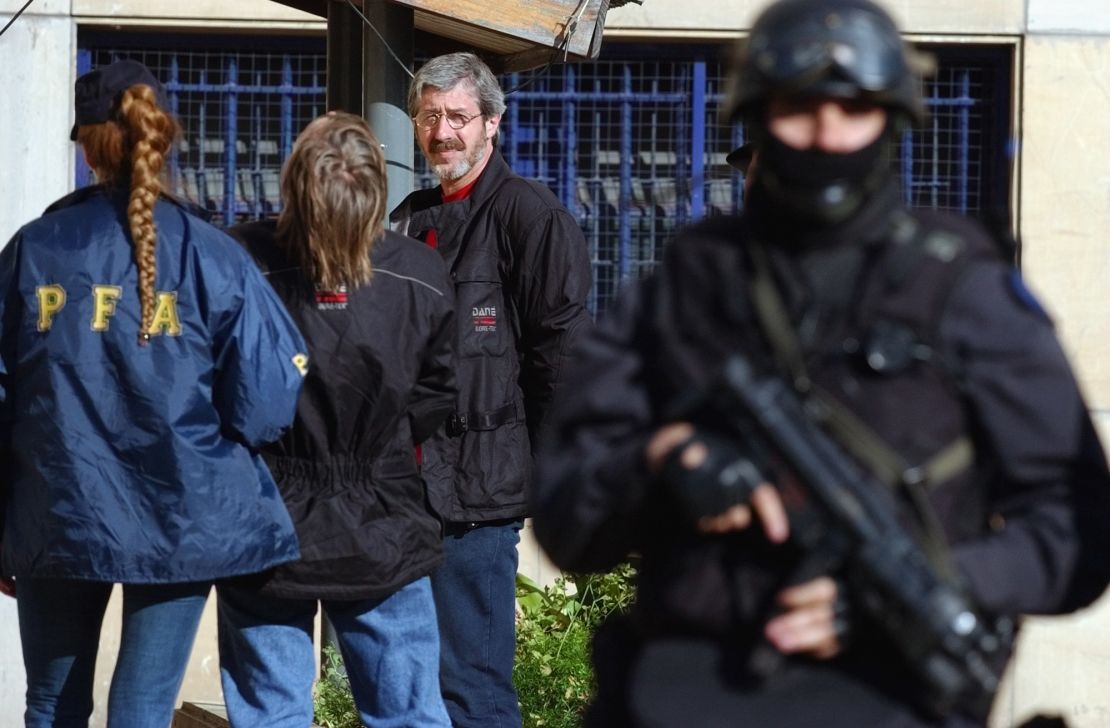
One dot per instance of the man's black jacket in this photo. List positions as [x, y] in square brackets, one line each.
[521, 272]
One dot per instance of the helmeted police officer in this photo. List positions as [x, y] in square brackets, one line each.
[934, 366]
[799, 52]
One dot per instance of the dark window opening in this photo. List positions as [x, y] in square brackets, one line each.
[629, 143]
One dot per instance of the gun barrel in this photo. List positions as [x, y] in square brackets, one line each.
[928, 619]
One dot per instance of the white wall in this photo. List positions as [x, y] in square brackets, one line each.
[12, 680]
[36, 167]
[1069, 16]
[36, 157]
[215, 11]
[727, 16]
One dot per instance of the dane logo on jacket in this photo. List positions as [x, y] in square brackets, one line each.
[485, 318]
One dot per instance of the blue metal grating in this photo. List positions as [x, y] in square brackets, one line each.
[633, 147]
[239, 113]
[942, 164]
[630, 144]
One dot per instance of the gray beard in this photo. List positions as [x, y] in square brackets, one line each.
[452, 172]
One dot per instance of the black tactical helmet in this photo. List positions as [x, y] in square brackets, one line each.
[837, 48]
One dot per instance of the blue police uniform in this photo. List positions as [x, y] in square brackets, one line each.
[130, 463]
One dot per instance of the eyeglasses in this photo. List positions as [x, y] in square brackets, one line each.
[455, 120]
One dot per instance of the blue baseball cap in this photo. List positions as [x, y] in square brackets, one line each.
[96, 93]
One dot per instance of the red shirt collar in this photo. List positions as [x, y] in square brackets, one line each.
[459, 194]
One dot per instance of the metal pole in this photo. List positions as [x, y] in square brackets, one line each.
[625, 212]
[286, 123]
[697, 142]
[83, 175]
[510, 126]
[570, 152]
[345, 58]
[386, 84]
[965, 139]
[230, 138]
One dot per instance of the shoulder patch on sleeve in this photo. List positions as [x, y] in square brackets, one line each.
[1024, 296]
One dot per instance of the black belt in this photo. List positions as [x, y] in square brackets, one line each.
[461, 422]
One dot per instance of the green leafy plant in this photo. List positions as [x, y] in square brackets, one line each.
[552, 673]
[334, 705]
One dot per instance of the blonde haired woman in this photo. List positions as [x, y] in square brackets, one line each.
[377, 311]
[143, 359]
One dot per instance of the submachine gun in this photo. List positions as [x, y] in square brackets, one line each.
[844, 519]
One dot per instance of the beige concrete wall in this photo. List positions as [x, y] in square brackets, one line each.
[37, 55]
[1062, 665]
[13, 682]
[533, 561]
[1065, 194]
[1062, 668]
[1069, 16]
[211, 11]
[700, 17]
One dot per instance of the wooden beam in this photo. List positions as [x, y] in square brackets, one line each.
[564, 24]
[532, 33]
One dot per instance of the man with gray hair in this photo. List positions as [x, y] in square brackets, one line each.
[521, 271]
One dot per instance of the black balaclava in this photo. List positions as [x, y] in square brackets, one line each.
[821, 189]
[848, 50]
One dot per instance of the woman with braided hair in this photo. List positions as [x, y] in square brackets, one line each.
[105, 151]
[143, 363]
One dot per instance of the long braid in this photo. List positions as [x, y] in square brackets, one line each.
[150, 131]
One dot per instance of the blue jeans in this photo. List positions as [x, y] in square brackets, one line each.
[390, 651]
[475, 593]
[59, 627]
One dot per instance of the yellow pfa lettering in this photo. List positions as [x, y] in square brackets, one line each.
[104, 305]
[105, 299]
[165, 320]
[51, 299]
[301, 362]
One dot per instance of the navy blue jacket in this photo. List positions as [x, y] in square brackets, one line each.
[139, 464]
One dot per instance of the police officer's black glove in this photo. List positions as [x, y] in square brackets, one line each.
[843, 615]
[726, 477]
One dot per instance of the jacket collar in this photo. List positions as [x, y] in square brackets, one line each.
[78, 196]
[496, 171]
[89, 192]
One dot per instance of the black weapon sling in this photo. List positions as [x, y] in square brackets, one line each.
[911, 481]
